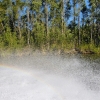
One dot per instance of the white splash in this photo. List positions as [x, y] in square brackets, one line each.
[48, 77]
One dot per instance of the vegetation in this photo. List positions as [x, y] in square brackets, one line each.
[50, 25]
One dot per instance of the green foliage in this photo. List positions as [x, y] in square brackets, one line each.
[10, 39]
[46, 25]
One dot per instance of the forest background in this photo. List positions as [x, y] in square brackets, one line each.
[62, 25]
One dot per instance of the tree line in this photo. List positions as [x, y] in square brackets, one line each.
[50, 24]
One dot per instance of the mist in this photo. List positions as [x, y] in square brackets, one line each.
[49, 77]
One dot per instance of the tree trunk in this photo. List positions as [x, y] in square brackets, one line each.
[62, 15]
[20, 35]
[46, 18]
[3, 26]
[46, 23]
[92, 32]
[91, 35]
[75, 40]
[79, 40]
[28, 34]
[74, 14]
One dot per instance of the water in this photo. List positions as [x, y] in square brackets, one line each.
[49, 77]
